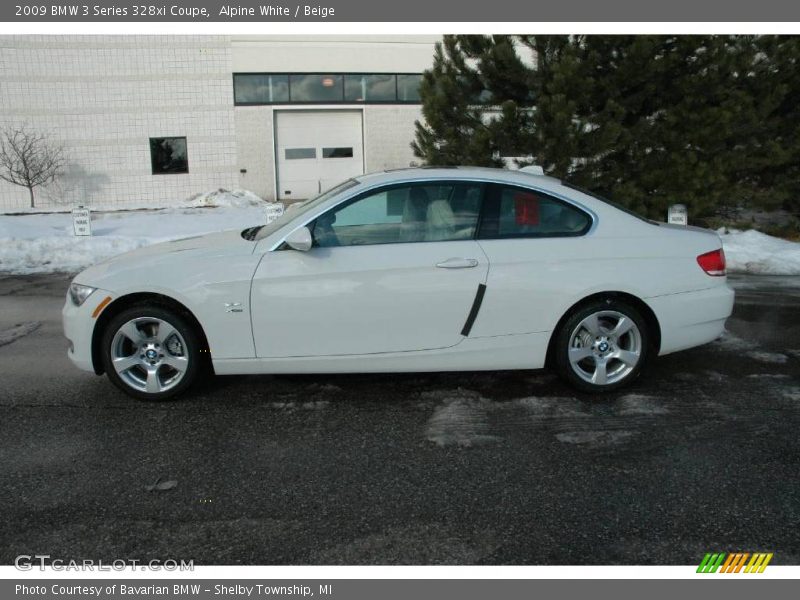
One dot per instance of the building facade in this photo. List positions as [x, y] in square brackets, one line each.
[155, 120]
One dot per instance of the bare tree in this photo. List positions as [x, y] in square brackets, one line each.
[28, 158]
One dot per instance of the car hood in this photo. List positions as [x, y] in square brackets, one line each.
[225, 243]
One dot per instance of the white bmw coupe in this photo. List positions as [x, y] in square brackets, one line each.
[433, 269]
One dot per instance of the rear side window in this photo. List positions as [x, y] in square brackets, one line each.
[512, 212]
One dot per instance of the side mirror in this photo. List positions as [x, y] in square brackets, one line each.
[300, 239]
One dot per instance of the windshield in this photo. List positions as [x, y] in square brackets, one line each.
[302, 207]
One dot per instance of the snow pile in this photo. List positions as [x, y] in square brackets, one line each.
[227, 198]
[220, 197]
[754, 252]
[45, 242]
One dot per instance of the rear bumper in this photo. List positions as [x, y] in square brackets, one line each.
[691, 319]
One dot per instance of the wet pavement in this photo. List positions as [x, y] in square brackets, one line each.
[701, 454]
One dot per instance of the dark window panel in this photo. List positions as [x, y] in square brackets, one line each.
[168, 155]
[316, 88]
[299, 88]
[260, 88]
[300, 153]
[370, 88]
[408, 88]
[337, 153]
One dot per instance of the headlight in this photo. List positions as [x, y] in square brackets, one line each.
[79, 293]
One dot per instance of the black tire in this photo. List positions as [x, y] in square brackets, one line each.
[186, 341]
[569, 334]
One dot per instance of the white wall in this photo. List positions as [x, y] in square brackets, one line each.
[338, 54]
[388, 129]
[388, 133]
[105, 96]
[254, 147]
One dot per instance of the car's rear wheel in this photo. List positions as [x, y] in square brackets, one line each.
[150, 352]
[602, 346]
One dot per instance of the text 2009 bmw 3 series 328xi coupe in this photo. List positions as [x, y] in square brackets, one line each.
[452, 269]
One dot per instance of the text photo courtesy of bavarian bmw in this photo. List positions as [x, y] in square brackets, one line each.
[430, 269]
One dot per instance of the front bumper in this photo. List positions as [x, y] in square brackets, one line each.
[691, 319]
[79, 323]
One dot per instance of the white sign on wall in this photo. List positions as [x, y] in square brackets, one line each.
[677, 215]
[274, 210]
[81, 221]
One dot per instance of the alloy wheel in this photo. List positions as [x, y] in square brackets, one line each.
[149, 355]
[605, 347]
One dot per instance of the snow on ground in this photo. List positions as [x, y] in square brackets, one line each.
[35, 243]
[220, 197]
[45, 243]
[754, 252]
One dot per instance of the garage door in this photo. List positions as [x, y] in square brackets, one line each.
[316, 150]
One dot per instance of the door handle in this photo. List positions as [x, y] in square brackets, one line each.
[458, 263]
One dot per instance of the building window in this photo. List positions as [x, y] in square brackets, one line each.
[325, 88]
[300, 153]
[370, 88]
[315, 88]
[408, 88]
[249, 89]
[337, 152]
[168, 155]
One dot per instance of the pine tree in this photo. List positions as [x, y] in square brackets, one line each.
[454, 132]
[712, 122]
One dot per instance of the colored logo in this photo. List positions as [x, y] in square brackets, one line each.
[735, 562]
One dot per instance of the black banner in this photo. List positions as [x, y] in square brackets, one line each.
[444, 11]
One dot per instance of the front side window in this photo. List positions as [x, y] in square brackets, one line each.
[517, 212]
[433, 212]
[168, 155]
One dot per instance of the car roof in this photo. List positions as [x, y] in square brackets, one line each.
[467, 173]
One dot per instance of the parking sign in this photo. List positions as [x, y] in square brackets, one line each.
[81, 221]
[678, 215]
[274, 210]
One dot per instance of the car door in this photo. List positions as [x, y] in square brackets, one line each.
[396, 269]
[540, 255]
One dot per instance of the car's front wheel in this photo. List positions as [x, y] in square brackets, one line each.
[150, 352]
[602, 346]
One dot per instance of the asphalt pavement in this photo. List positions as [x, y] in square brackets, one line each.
[701, 454]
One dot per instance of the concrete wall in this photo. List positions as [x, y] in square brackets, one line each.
[103, 97]
[338, 54]
[388, 133]
[255, 149]
[388, 129]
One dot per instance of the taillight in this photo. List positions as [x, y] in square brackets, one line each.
[713, 263]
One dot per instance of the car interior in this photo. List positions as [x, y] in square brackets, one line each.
[448, 212]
